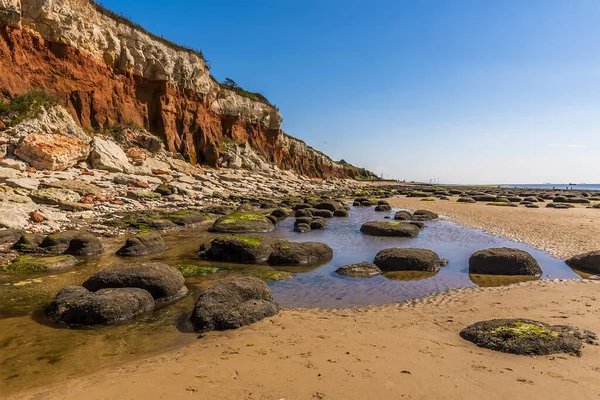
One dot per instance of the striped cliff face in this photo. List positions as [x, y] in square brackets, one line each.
[107, 70]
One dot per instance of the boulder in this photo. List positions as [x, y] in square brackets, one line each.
[302, 228]
[466, 199]
[164, 283]
[8, 237]
[322, 213]
[408, 259]
[242, 222]
[231, 303]
[527, 337]
[109, 156]
[280, 214]
[300, 253]
[340, 213]
[318, 224]
[52, 152]
[383, 207]
[54, 196]
[588, 262]
[41, 264]
[304, 212]
[360, 270]
[142, 195]
[238, 249]
[330, 205]
[503, 261]
[142, 244]
[403, 216]
[424, 215]
[77, 243]
[384, 228]
[76, 305]
[82, 188]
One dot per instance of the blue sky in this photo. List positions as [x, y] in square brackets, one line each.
[464, 91]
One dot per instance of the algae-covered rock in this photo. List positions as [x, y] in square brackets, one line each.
[408, 259]
[189, 270]
[243, 222]
[142, 244]
[239, 249]
[78, 243]
[383, 228]
[300, 253]
[164, 283]
[360, 270]
[276, 275]
[77, 305]
[527, 337]
[41, 264]
[233, 302]
[503, 261]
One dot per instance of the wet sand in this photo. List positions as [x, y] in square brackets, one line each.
[562, 233]
[411, 350]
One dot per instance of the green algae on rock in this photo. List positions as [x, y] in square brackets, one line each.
[189, 270]
[276, 275]
[41, 264]
[527, 337]
[243, 222]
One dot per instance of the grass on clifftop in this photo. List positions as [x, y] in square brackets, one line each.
[25, 106]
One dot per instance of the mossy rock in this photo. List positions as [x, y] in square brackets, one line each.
[527, 337]
[502, 204]
[187, 217]
[41, 264]
[238, 249]
[243, 222]
[384, 228]
[276, 275]
[189, 270]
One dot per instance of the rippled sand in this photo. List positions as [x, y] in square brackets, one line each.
[412, 350]
[562, 233]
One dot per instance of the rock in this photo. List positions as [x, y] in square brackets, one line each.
[165, 190]
[424, 215]
[238, 249]
[188, 217]
[384, 228]
[322, 213]
[165, 284]
[51, 152]
[503, 261]
[8, 237]
[466, 199]
[220, 210]
[383, 207]
[408, 259]
[36, 217]
[242, 222]
[485, 197]
[340, 213]
[300, 253]
[28, 243]
[77, 305]
[305, 212]
[141, 195]
[77, 243]
[302, 228]
[109, 156]
[8, 174]
[41, 264]
[589, 262]
[303, 220]
[360, 270]
[318, 224]
[330, 205]
[280, 214]
[527, 337]
[53, 196]
[402, 216]
[231, 303]
[80, 187]
[76, 207]
[142, 244]
[23, 183]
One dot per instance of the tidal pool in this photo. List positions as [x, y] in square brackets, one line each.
[36, 352]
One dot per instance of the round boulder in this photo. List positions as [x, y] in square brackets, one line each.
[408, 259]
[243, 222]
[76, 243]
[424, 215]
[360, 270]
[384, 228]
[238, 249]
[231, 303]
[302, 228]
[503, 261]
[383, 207]
[164, 283]
[300, 253]
[77, 305]
[143, 244]
[589, 262]
[527, 337]
[403, 216]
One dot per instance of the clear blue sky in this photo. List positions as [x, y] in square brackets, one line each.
[467, 91]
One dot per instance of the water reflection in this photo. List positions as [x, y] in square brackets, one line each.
[500, 280]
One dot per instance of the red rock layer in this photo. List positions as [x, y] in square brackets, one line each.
[98, 96]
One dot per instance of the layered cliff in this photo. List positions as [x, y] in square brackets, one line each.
[107, 71]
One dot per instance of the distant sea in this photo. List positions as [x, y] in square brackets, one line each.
[555, 186]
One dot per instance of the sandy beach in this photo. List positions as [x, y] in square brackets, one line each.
[562, 233]
[411, 350]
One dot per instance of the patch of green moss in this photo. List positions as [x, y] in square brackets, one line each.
[500, 204]
[276, 275]
[392, 223]
[188, 270]
[520, 329]
[182, 217]
[253, 241]
[238, 217]
[25, 264]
